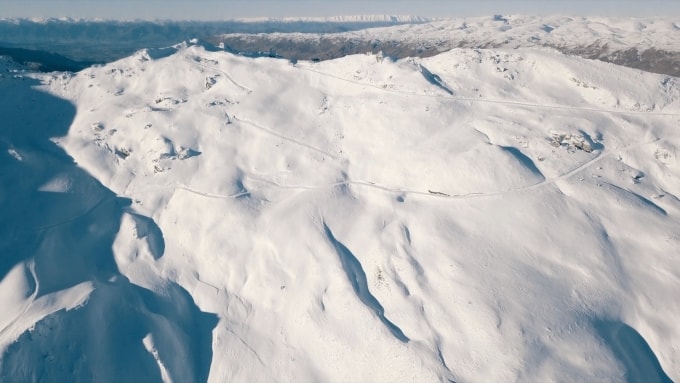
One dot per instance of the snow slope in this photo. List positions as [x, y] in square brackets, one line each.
[651, 44]
[478, 215]
[514, 31]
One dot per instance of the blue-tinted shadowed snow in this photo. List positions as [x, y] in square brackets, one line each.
[631, 349]
[56, 215]
[148, 229]
[523, 159]
[357, 277]
[435, 80]
[102, 341]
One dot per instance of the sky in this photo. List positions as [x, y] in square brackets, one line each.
[228, 9]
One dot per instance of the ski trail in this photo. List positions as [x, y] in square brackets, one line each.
[377, 186]
[231, 79]
[585, 165]
[385, 188]
[211, 195]
[546, 182]
[189, 189]
[563, 107]
[495, 101]
[275, 134]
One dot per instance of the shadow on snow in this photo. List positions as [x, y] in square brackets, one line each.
[631, 349]
[55, 215]
[357, 277]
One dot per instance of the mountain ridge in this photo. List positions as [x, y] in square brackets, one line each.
[481, 214]
[650, 44]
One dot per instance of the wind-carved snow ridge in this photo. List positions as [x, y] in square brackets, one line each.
[434, 79]
[632, 351]
[525, 160]
[357, 277]
[147, 228]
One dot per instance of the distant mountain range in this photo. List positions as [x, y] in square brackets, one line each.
[107, 40]
[497, 212]
[649, 44]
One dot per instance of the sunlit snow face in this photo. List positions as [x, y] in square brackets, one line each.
[476, 215]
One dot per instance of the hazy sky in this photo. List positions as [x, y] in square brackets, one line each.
[225, 9]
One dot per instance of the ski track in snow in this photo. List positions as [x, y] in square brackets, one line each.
[450, 97]
[211, 195]
[243, 87]
[281, 136]
[249, 276]
[432, 194]
[492, 101]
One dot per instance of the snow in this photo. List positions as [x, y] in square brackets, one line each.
[525, 31]
[411, 19]
[478, 215]
[650, 44]
[369, 18]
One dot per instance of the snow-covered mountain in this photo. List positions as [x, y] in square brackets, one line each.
[478, 215]
[651, 44]
[102, 40]
[388, 19]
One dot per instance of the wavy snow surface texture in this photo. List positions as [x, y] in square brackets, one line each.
[500, 216]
